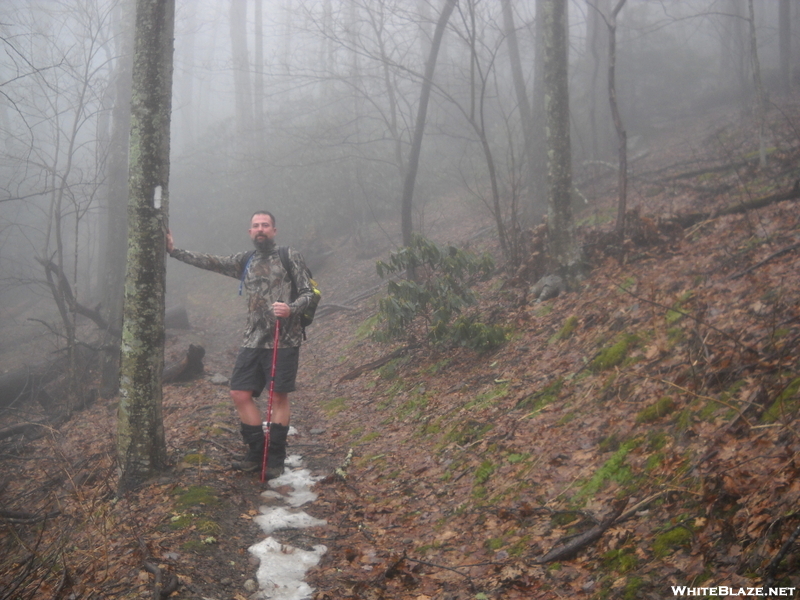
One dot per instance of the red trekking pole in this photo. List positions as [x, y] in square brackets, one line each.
[266, 424]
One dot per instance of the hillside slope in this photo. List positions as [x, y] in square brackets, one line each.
[668, 382]
[664, 392]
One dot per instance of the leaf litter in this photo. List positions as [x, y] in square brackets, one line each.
[464, 472]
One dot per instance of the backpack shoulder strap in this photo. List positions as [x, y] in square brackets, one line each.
[244, 271]
[283, 252]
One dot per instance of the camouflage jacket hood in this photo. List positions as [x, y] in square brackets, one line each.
[265, 281]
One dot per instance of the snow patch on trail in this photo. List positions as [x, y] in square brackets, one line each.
[282, 568]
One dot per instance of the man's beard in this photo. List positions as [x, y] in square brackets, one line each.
[264, 244]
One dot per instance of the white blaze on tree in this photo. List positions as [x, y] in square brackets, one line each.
[141, 446]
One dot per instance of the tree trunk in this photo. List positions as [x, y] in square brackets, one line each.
[785, 44]
[622, 136]
[528, 214]
[116, 225]
[563, 248]
[241, 70]
[759, 87]
[538, 189]
[422, 111]
[259, 82]
[141, 447]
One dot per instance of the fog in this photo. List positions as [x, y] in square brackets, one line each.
[312, 119]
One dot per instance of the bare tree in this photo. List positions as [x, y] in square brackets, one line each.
[141, 447]
[563, 247]
[529, 212]
[241, 69]
[761, 106]
[419, 129]
[785, 44]
[622, 136]
[116, 214]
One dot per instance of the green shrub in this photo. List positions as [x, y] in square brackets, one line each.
[439, 292]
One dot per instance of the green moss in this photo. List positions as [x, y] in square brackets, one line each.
[484, 472]
[662, 407]
[208, 527]
[517, 458]
[567, 418]
[196, 495]
[373, 435]
[488, 398]
[665, 543]
[468, 432]
[633, 588]
[786, 402]
[628, 284]
[391, 370]
[413, 407]
[676, 313]
[653, 461]
[566, 330]
[656, 440]
[437, 367]
[620, 560]
[614, 469]
[538, 400]
[610, 443]
[334, 406]
[494, 544]
[181, 521]
[683, 420]
[613, 356]
[196, 459]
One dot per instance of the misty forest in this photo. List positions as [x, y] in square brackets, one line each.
[557, 243]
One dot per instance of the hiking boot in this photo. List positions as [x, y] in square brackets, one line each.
[277, 450]
[253, 436]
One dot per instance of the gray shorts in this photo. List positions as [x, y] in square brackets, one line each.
[253, 370]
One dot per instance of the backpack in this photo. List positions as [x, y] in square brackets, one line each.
[308, 314]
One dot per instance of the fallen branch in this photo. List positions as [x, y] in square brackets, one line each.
[780, 252]
[577, 543]
[373, 365]
[691, 219]
[15, 516]
[772, 567]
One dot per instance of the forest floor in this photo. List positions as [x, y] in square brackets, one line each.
[655, 407]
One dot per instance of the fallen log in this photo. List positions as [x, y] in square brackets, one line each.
[691, 219]
[570, 548]
[188, 368]
[373, 365]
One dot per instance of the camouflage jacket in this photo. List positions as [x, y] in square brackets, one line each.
[265, 282]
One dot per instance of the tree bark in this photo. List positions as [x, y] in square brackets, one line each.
[529, 215]
[759, 87]
[116, 226]
[241, 69]
[622, 136]
[785, 44]
[563, 247]
[419, 130]
[538, 189]
[141, 447]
